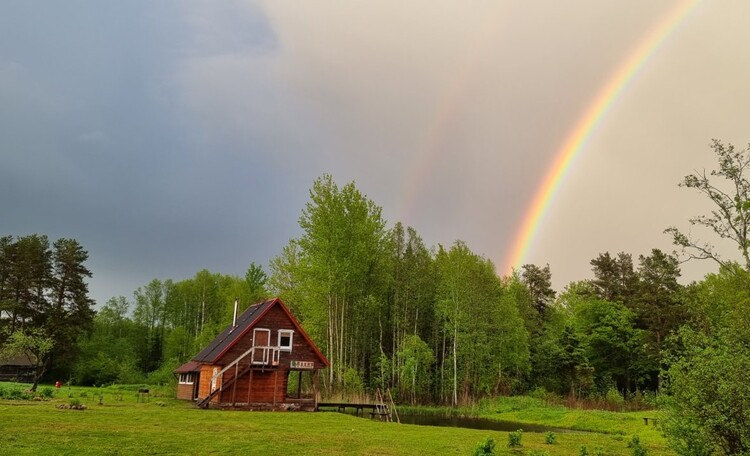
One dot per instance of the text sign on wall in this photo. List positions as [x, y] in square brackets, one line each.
[301, 364]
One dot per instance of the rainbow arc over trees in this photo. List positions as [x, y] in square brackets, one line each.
[587, 124]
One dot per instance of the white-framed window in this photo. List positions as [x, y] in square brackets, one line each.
[286, 337]
[261, 342]
[187, 379]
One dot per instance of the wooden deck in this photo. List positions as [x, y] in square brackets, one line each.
[359, 409]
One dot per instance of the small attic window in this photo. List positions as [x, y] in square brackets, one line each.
[285, 339]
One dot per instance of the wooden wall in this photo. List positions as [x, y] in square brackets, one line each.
[274, 320]
[185, 391]
[257, 386]
[204, 387]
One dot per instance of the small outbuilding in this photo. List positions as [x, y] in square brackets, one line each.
[264, 360]
[19, 368]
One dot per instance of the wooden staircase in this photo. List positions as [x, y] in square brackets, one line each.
[269, 356]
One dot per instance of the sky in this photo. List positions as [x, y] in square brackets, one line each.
[172, 136]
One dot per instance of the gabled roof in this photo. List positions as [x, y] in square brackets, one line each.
[22, 360]
[245, 322]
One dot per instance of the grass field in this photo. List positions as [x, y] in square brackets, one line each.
[122, 425]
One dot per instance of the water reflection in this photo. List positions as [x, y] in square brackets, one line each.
[477, 423]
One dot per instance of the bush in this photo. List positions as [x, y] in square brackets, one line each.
[514, 438]
[485, 448]
[614, 399]
[15, 393]
[47, 392]
[635, 445]
[583, 451]
[550, 438]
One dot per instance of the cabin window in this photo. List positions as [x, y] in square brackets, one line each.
[188, 378]
[285, 339]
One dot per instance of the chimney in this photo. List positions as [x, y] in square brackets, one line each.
[234, 321]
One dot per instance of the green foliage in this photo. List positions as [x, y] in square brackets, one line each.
[44, 299]
[353, 384]
[614, 398]
[47, 392]
[164, 375]
[514, 438]
[730, 216]
[417, 359]
[612, 344]
[550, 438]
[636, 448]
[12, 392]
[487, 447]
[583, 451]
[480, 322]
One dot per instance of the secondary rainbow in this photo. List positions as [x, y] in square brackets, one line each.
[587, 124]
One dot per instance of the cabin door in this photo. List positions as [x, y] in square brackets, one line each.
[261, 342]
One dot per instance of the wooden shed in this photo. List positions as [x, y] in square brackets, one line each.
[19, 368]
[264, 360]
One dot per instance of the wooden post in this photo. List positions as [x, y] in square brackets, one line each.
[275, 386]
[250, 385]
[234, 385]
[315, 389]
[299, 385]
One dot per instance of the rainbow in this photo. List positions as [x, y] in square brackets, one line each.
[587, 124]
[449, 105]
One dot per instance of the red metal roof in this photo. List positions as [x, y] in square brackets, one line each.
[190, 366]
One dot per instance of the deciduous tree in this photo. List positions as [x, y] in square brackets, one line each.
[728, 190]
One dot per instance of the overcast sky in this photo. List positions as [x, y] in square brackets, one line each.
[172, 136]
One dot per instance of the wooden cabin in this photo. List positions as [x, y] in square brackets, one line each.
[264, 360]
[19, 368]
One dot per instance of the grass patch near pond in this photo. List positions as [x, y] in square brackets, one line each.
[528, 410]
[167, 426]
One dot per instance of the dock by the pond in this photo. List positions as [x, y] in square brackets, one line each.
[379, 410]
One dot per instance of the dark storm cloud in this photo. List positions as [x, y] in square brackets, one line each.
[94, 146]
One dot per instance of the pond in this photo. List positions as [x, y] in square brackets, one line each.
[477, 423]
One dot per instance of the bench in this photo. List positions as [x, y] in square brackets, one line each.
[646, 419]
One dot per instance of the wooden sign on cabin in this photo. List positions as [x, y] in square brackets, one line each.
[264, 360]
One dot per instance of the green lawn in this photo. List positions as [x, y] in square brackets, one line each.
[166, 426]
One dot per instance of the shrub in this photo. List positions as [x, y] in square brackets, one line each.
[514, 438]
[598, 451]
[15, 393]
[485, 448]
[550, 438]
[75, 403]
[47, 392]
[635, 445]
[84, 394]
[614, 399]
[583, 451]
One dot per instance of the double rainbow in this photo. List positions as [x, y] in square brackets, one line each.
[587, 124]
